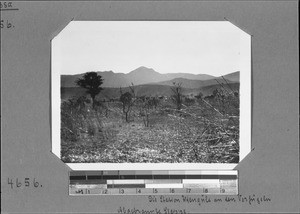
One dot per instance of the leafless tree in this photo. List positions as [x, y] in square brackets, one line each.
[148, 107]
[177, 95]
[127, 99]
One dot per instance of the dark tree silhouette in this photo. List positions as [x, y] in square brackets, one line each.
[199, 96]
[92, 82]
[177, 95]
[127, 100]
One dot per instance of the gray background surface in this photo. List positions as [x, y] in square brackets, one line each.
[272, 169]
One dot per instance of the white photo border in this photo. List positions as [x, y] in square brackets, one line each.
[245, 116]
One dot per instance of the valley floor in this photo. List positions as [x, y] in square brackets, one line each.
[170, 138]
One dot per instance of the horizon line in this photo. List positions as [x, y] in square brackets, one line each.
[149, 69]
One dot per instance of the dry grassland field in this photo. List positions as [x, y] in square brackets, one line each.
[169, 122]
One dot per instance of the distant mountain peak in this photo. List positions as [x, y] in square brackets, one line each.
[110, 72]
[144, 75]
[143, 69]
[235, 76]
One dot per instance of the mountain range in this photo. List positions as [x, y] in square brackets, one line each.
[143, 75]
[150, 82]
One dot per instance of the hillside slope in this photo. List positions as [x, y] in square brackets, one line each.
[139, 76]
[145, 90]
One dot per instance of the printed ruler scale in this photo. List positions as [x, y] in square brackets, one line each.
[143, 182]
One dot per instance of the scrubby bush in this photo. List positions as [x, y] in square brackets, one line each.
[72, 118]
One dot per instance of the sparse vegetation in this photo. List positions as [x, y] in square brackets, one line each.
[127, 99]
[177, 94]
[152, 129]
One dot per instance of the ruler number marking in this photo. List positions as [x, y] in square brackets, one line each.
[225, 186]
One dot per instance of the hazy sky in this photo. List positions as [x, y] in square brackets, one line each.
[214, 48]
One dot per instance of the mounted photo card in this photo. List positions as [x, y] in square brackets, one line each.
[151, 94]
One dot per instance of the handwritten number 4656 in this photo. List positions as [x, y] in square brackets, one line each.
[27, 182]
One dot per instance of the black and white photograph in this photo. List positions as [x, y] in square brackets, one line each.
[157, 107]
[151, 92]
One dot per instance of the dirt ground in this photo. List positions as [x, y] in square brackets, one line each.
[170, 138]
